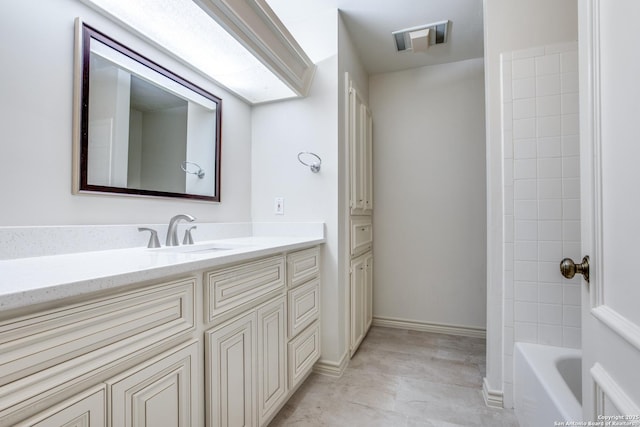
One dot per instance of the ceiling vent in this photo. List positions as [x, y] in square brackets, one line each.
[418, 39]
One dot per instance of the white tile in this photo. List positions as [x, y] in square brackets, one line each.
[525, 292]
[569, 83]
[524, 88]
[507, 143]
[525, 332]
[525, 209]
[571, 231]
[548, 64]
[550, 167]
[508, 170]
[524, 128]
[571, 209]
[550, 314]
[570, 187]
[571, 337]
[570, 103]
[508, 200]
[550, 209]
[572, 250]
[550, 335]
[547, 85]
[548, 105]
[549, 188]
[525, 271]
[507, 116]
[525, 189]
[524, 169]
[550, 251]
[571, 167]
[526, 230]
[508, 254]
[526, 250]
[549, 126]
[525, 311]
[528, 53]
[525, 148]
[508, 228]
[570, 124]
[571, 316]
[571, 145]
[550, 293]
[560, 47]
[549, 272]
[526, 67]
[508, 286]
[569, 62]
[571, 294]
[550, 230]
[524, 108]
[549, 147]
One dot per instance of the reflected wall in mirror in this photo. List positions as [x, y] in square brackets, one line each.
[143, 130]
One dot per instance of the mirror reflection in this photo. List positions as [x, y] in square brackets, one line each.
[145, 130]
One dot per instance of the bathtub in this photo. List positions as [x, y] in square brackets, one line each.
[547, 384]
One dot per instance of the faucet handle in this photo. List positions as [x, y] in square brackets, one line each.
[188, 238]
[153, 238]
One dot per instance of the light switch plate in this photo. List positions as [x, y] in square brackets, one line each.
[278, 206]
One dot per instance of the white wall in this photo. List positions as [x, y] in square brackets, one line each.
[429, 193]
[509, 26]
[36, 125]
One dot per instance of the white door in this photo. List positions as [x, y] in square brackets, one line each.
[610, 173]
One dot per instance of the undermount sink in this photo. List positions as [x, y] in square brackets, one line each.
[199, 248]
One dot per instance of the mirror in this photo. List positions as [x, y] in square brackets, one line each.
[143, 130]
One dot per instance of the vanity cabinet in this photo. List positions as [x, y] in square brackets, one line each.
[217, 348]
[360, 127]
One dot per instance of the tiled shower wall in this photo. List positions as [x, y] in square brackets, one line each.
[541, 199]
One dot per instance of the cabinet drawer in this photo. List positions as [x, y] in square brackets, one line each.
[304, 306]
[234, 287]
[302, 266]
[361, 235]
[116, 326]
[304, 351]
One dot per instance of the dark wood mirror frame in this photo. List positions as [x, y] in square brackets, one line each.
[83, 50]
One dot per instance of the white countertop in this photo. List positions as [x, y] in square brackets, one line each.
[27, 281]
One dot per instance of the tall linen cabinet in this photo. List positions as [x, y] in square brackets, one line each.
[360, 166]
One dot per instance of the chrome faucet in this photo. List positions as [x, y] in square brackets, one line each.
[172, 232]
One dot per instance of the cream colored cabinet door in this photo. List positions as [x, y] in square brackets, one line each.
[360, 136]
[357, 301]
[272, 380]
[368, 291]
[230, 377]
[87, 409]
[367, 159]
[162, 392]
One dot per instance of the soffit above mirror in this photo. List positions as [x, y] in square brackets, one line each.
[240, 44]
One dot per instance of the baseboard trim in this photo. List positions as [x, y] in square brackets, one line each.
[331, 368]
[414, 325]
[492, 398]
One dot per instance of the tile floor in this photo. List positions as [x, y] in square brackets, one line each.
[400, 378]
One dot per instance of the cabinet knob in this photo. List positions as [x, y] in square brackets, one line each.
[568, 268]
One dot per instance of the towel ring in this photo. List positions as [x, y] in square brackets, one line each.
[200, 171]
[314, 166]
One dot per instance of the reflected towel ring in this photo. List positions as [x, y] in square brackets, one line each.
[200, 171]
[314, 166]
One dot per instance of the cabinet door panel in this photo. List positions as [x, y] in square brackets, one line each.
[367, 160]
[272, 388]
[230, 378]
[357, 301]
[302, 266]
[368, 285]
[304, 306]
[355, 153]
[361, 235]
[161, 392]
[304, 351]
[85, 410]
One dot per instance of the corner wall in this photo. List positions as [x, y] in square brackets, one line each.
[36, 113]
[429, 193]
